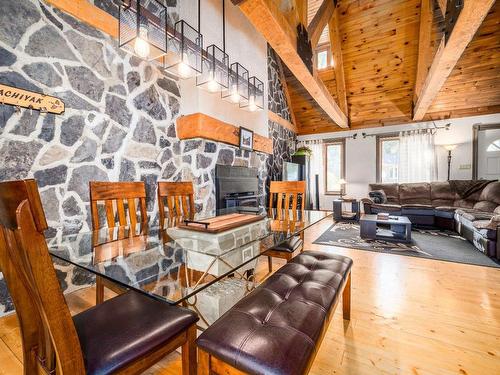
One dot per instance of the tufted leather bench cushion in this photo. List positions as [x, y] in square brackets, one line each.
[276, 329]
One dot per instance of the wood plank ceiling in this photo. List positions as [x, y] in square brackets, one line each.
[380, 49]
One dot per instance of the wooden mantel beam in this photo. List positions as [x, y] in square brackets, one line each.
[267, 19]
[448, 54]
[338, 61]
[320, 20]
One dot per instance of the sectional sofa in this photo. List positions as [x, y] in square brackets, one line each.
[471, 208]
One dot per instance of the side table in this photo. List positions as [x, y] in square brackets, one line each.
[340, 215]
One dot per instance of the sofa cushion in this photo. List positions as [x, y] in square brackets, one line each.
[491, 193]
[417, 209]
[442, 191]
[445, 211]
[487, 206]
[442, 202]
[391, 191]
[464, 203]
[472, 215]
[394, 209]
[486, 228]
[415, 193]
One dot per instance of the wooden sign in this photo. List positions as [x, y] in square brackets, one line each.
[29, 99]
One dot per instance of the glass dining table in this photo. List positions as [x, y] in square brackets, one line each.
[207, 272]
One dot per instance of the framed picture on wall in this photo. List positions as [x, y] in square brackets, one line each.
[246, 139]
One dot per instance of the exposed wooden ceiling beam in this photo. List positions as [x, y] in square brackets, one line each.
[266, 17]
[447, 55]
[320, 20]
[442, 6]
[338, 62]
[424, 58]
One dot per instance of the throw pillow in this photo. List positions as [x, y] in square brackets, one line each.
[378, 196]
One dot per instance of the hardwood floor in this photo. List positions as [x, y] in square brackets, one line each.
[409, 316]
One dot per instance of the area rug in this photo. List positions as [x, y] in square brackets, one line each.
[426, 243]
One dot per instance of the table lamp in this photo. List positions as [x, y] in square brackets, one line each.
[342, 183]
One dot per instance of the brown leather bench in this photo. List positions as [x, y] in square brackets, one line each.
[278, 328]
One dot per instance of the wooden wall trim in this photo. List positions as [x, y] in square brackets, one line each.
[199, 125]
[89, 14]
[280, 120]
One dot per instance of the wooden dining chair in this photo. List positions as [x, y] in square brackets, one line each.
[126, 335]
[290, 197]
[121, 202]
[180, 201]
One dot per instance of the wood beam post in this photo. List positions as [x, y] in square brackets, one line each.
[265, 16]
[88, 13]
[424, 45]
[447, 55]
[338, 62]
[320, 20]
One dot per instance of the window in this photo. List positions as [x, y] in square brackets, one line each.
[334, 167]
[388, 159]
[494, 146]
[323, 57]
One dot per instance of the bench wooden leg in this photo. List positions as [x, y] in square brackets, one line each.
[189, 352]
[270, 264]
[99, 290]
[346, 299]
[203, 362]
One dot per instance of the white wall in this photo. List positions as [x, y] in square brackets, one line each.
[361, 152]
[243, 44]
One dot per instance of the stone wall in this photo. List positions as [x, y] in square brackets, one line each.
[283, 138]
[119, 122]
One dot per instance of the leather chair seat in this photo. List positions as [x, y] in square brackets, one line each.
[417, 209]
[292, 244]
[447, 212]
[118, 331]
[277, 327]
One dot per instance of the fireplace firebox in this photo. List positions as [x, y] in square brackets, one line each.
[236, 186]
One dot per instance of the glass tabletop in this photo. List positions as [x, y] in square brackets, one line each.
[173, 264]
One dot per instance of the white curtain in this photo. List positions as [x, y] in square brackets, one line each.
[417, 156]
[317, 167]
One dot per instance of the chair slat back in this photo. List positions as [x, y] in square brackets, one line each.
[48, 334]
[119, 199]
[287, 194]
[179, 197]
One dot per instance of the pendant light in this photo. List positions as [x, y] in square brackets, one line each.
[215, 63]
[142, 25]
[237, 91]
[185, 49]
[255, 95]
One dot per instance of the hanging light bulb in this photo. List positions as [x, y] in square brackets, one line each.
[212, 84]
[235, 96]
[141, 46]
[183, 68]
[252, 107]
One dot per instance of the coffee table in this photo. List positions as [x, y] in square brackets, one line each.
[396, 228]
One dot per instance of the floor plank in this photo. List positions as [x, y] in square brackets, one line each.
[409, 316]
